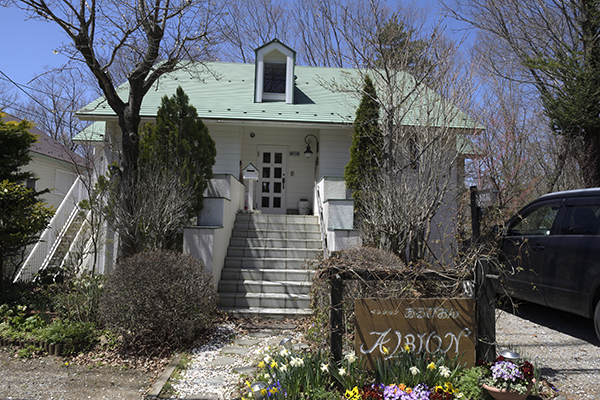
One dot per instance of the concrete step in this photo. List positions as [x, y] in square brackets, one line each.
[276, 243]
[275, 313]
[257, 252]
[311, 219]
[276, 234]
[263, 274]
[250, 286]
[266, 300]
[267, 263]
[277, 226]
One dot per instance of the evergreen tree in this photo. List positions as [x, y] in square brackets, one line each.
[22, 215]
[180, 141]
[367, 141]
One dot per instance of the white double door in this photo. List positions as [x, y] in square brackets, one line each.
[272, 164]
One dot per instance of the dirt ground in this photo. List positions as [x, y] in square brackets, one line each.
[55, 378]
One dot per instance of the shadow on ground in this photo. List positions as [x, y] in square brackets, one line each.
[564, 322]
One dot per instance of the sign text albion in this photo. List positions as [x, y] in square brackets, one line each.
[386, 327]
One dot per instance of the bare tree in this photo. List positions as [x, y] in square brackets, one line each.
[55, 97]
[149, 38]
[552, 49]
[148, 208]
[421, 88]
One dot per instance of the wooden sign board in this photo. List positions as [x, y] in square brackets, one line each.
[430, 325]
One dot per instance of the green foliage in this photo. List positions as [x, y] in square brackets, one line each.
[75, 335]
[367, 141]
[468, 384]
[180, 141]
[411, 369]
[15, 141]
[296, 373]
[158, 300]
[78, 299]
[22, 219]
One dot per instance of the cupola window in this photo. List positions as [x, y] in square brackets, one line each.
[274, 79]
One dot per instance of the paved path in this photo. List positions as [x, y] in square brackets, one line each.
[220, 365]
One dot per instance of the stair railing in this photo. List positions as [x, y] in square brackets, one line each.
[322, 222]
[45, 247]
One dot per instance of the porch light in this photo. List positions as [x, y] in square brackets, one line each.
[308, 151]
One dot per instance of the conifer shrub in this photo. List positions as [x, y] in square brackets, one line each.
[158, 300]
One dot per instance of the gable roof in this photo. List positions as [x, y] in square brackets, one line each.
[225, 92]
[49, 147]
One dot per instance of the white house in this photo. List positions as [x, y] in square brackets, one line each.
[283, 134]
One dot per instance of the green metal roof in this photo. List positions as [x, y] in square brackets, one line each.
[225, 91]
[93, 133]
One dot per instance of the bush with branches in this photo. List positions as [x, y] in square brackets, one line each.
[158, 300]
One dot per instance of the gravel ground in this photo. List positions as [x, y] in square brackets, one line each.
[564, 345]
[49, 378]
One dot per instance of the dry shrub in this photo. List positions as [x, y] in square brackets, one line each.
[158, 300]
[374, 273]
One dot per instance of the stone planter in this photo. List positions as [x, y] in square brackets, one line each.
[500, 394]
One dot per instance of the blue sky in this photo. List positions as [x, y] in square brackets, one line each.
[27, 45]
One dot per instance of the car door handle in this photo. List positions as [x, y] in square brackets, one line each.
[538, 247]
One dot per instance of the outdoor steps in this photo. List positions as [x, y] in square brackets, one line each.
[66, 241]
[265, 270]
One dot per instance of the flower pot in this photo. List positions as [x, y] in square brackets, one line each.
[501, 394]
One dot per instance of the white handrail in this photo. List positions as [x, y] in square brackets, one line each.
[41, 252]
[322, 222]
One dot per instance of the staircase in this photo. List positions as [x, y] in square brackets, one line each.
[264, 273]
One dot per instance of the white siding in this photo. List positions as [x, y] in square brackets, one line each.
[335, 150]
[227, 141]
[45, 168]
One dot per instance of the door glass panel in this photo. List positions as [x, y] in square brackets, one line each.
[278, 158]
[266, 187]
[276, 202]
[266, 172]
[277, 172]
[266, 157]
[265, 202]
[536, 222]
[277, 187]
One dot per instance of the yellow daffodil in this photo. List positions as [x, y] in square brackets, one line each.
[261, 364]
[274, 364]
[385, 350]
[407, 348]
[431, 366]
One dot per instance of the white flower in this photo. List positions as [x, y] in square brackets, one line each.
[460, 396]
[351, 358]
[414, 370]
[284, 353]
[267, 359]
[445, 372]
[296, 362]
[324, 367]
[342, 371]
[283, 368]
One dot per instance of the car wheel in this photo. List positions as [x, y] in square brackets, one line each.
[597, 319]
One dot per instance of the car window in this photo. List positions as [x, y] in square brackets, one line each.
[581, 220]
[534, 222]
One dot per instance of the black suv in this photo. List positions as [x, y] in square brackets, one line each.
[553, 245]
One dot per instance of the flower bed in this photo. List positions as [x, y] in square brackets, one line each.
[408, 376]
